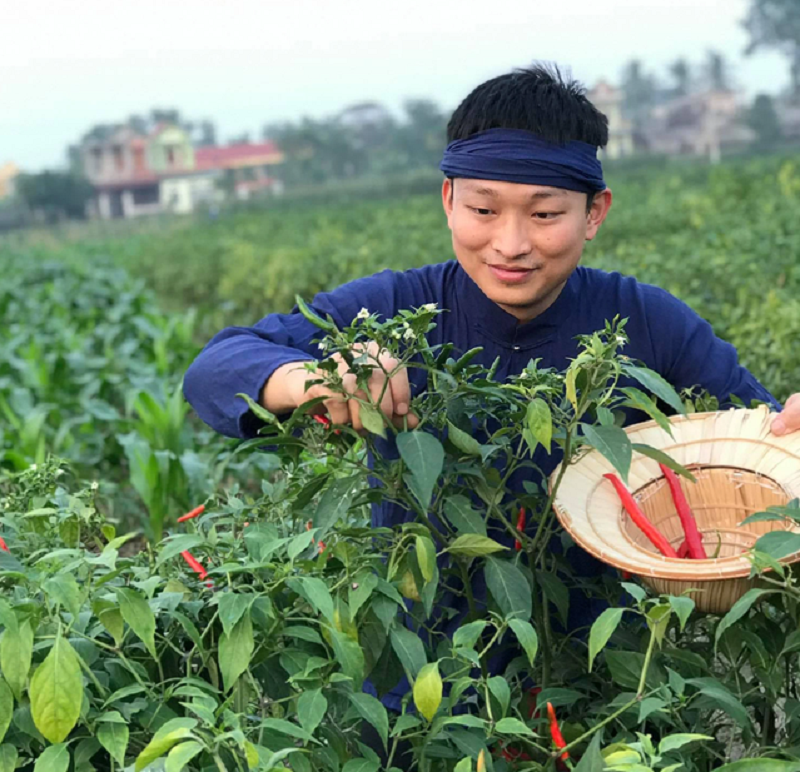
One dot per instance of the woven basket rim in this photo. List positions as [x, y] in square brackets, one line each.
[657, 566]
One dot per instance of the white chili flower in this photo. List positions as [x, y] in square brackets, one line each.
[621, 341]
[396, 334]
[323, 346]
[33, 467]
[94, 486]
[430, 307]
[409, 335]
[363, 314]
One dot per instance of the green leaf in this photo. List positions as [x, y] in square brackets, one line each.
[663, 458]
[181, 755]
[778, 544]
[602, 629]
[372, 710]
[56, 692]
[760, 765]
[286, 727]
[638, 400]
[349, 656]
[465, 765]
[64, 590]
[539, 422]
[467, 635]
[509, 588]
[311, 707]
[738, 610]
[683, 607]
[409, 650]
[675, 741]
[466, 443]
[555, 591]
[463, 517]
[423, 454]
[569, 382]
[114, 738]
[174, 545]
[166, 737]
[235, 650]
[372, 419]
[16, 652]
[53, 759]
[499, 687]
[232, 606]
[592, 758]
[316, 592]
[110, 617]
[428, 690]
[526, 636]
[650, 705]
[657, 385]
[137, 613]
[513, 726]
[626, 668]
[472, 545]
[335, 502]
[6, 708]
[613, 443]
[426, 557]
[361, 765]
[8, 758]
[720, 698]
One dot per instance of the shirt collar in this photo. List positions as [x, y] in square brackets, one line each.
[500, 326]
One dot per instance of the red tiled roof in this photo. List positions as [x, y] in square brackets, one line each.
[231, 156]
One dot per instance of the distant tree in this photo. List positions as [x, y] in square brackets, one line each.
[639, 90]
[55, 193]
[718, 72]
[208, 134]
[764, 121]
[170, 116]
[681, 75]
[776, 24]
[240, 139]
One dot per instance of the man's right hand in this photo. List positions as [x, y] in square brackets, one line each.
[286, 390]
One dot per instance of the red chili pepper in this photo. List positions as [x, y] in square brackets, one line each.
[555, 732]
[638, 517]
[3, 545]
[194, 513]
[321, 547]
[194, 563]
[520, 527]
[626, 575]
[683, 550]
[693, 539]
[325, 421]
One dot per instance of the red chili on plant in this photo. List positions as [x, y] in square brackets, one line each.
[520, 527]
[3, 545]
[555, 731]
[194, 513]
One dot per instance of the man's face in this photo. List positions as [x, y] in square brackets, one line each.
[520, 243]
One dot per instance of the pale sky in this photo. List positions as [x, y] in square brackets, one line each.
[68, 64]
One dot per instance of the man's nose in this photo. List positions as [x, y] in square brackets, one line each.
[511, 239]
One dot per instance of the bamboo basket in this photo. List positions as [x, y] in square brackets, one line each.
[741, 468]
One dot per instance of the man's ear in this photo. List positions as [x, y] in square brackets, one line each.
[598, 212]
[447, 198]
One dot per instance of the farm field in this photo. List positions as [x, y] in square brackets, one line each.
[240, 639]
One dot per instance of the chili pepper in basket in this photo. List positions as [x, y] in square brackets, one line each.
[194, 513]
[683, 550]
[555, 732]
[520, 527]
[638, 517]
[693, 538]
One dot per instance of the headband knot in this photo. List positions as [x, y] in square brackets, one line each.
[516, 155]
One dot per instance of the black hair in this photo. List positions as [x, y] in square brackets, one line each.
[536, 98]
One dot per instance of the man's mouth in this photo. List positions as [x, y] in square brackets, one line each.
[511, 274]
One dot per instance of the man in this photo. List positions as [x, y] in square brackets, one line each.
[523, 193]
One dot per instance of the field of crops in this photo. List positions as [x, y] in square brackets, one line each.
[240, 639]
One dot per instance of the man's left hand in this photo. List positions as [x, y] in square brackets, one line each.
[789, 420]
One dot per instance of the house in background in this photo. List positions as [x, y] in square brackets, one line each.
[702, 124]
[8, 174]
[138, 173]
[608, 100]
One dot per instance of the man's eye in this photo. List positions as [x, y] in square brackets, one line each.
[481, 211]
[546, 215]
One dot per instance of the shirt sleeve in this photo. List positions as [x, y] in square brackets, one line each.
[689, 354]
[242, 359]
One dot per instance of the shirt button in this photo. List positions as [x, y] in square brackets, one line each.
[516, 348]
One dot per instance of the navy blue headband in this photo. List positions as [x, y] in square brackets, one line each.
[515, 155]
